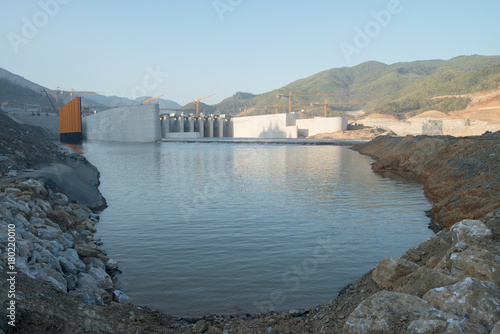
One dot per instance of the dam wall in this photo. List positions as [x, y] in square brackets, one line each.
[316, 125]
[189, 126]
[265, 126]
[134, 124]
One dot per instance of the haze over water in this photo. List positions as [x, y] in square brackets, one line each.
[235, 228]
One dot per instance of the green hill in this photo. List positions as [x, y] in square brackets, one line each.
[391, 89]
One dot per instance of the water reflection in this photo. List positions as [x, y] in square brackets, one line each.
[218, 227]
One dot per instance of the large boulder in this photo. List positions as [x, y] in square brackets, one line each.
[390, 269]
[469, 299]
[469, 229]
[392, 312]
[422, 280]
[471, 261]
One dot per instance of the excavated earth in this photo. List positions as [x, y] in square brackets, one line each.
[448, 284]
[460, 175]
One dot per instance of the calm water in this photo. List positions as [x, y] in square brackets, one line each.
[202, 228]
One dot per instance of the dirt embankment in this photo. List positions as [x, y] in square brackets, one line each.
[460, 175]
[23, 152]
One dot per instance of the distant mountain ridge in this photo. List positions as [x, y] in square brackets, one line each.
[391, 89]
[396, 89]
[14, 94]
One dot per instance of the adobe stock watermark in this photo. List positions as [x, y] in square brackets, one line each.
[223, 6]
[372, 29]
[32, 25]
[294, 277]
[153, 78]
[211, 188]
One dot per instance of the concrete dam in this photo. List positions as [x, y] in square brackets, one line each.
[143, 123]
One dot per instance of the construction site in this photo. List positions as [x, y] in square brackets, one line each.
[148, 122]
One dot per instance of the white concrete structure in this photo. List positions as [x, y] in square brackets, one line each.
[183, 135]
[316, 125]
[265, 126]
[428, 126]
[137, 124]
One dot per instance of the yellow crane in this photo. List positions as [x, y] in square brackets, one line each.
[197, 101]
[71, 93]
[253, 109]
[151, 99]
[326, 104]
[276, 107]
[290, 98]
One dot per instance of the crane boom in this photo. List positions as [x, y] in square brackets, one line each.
[326, 104]
[290, 98]
[153, 98]
[71, 92]
[197, 101]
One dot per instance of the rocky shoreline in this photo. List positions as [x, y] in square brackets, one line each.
[54, 243]
[448, 284]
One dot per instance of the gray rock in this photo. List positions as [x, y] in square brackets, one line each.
[12, 191]
[470, 298]
[44, 205]
[88, 250]
[53, 246]
[475, 262]
[49, 258]
[50, 275]
[86, 282]
[18, 206]
[67, 266]
[95, 262]
[35, 256]
[60, 199]
[67, 240]
[423, 280]
[100, 275]
[37, 185]
[451, 326]
[72, 256]
[469, 229]
[120, 297]
[71, 282]
[111, 265]
[24, 248]
[48, 232]
[387, 311]
[390, 269]
[27, 235]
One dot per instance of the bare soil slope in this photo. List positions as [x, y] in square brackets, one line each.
[459, 174]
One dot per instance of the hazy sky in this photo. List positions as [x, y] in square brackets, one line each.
[187, 49]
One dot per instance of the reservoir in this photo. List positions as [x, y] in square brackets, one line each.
[204, 228]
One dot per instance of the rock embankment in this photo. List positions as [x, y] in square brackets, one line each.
[25, 154]
[460, 175]
[53, 242]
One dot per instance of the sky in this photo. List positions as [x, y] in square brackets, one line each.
[193, 48]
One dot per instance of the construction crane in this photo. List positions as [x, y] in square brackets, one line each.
[197, 101]
[71, 93]
[153, 98]
[276, 107]
[253, 109]
[290, 98]
[326, 104]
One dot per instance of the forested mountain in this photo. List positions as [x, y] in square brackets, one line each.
[391, 89]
